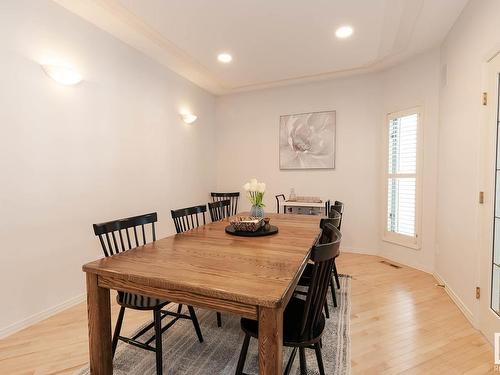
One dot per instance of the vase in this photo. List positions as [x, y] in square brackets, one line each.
[257, 211]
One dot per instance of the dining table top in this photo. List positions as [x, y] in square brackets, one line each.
[207, 261]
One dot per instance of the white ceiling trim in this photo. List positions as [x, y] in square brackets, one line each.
[114, 18]
[375, 66]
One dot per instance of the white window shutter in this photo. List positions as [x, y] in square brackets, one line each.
[401, 176]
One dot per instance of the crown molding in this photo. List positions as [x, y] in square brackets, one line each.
[115, 19]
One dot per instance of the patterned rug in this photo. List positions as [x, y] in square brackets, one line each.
[218, 354]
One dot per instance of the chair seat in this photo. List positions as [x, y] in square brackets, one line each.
[292, 320]
[138, 302]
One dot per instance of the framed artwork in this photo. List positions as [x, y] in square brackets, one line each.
[307, 141]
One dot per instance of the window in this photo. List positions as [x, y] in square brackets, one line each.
[402, 178]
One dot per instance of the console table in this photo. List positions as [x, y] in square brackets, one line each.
[303, 208]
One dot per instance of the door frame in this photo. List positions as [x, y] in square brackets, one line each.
[487, 320]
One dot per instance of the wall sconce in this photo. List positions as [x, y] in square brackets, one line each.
[188, 118]
[63, 75]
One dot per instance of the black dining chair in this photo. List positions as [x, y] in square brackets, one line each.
[219, 210]
[233, 198]
[338, 207]
[122, 235]
[303, 319]
[280, 198]
[306, 277]
[189, 217]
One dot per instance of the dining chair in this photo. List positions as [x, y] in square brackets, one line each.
[306, 277]
[280, 198]
[233, 198]
[219, 210]
[339, 208]
[303, 319]
[189, 217]
[122, 235]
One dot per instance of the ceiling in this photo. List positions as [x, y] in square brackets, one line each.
[273, 42]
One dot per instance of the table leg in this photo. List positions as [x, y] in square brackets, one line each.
[99, 316]
[270, 341]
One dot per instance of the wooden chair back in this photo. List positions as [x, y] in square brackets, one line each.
[333, 218]
[189, 218]
[233, 198]
[219, 210]
[323, 253]
[338, 207]
[120, 235]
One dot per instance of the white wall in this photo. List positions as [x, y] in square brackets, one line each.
[416, 83]
[111, 147]
[472, 40]
[247, 146]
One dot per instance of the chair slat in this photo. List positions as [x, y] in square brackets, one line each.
[103, 246]
[136, 238]
[110, 248]
[117, 249]
[121, 240]
[128, 239]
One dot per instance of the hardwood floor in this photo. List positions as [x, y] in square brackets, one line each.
[401, 323]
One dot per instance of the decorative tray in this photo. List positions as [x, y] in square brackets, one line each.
[247, 223]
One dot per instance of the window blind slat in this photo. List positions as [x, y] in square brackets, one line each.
[402, 178]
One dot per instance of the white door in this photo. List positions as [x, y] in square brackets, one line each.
[489, 275]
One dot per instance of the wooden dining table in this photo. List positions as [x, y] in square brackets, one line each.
[253, 277]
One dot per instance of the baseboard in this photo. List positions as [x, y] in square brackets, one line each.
[35, 318]
[456, 299]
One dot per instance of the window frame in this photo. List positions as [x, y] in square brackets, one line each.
[392, 237]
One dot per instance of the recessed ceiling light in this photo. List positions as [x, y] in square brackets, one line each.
[224, 58]
[344, 32]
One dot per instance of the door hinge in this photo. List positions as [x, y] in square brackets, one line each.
[478, 292]
[485, 98]
[481, 197]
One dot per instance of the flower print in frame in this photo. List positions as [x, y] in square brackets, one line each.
[307, 141]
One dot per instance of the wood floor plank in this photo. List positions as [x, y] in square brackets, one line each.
[402, 323]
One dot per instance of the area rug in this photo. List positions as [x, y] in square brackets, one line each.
[218, 354]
